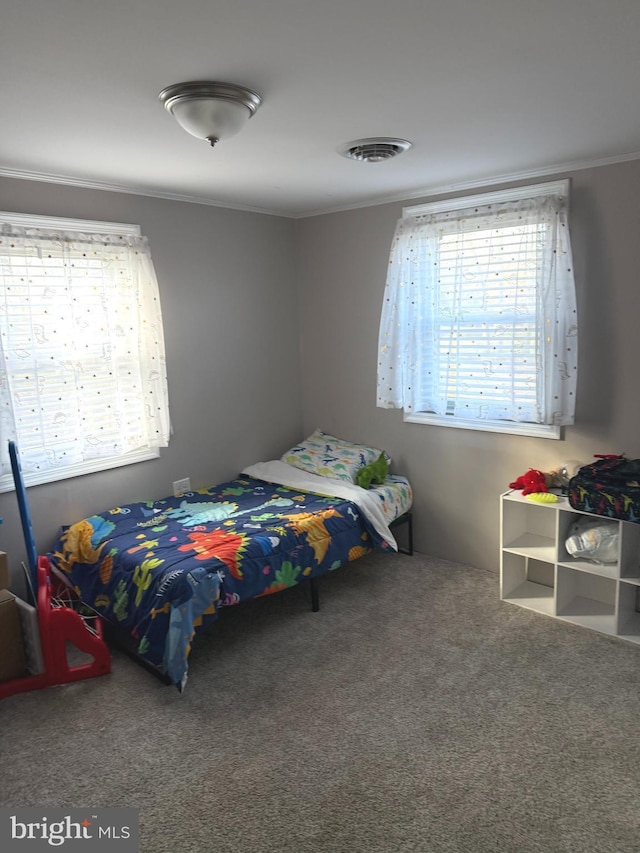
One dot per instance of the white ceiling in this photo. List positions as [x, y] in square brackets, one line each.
[485, 89]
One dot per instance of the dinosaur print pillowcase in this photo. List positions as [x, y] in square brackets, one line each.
[328, 456]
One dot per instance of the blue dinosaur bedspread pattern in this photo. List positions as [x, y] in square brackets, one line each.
[162, 569]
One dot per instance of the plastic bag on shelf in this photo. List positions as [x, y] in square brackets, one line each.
[593, 539]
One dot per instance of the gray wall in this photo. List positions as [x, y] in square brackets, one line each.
[229, 300]
[252, 303]
[458, 475]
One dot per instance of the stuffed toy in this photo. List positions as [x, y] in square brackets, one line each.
[532, 481]
[373, 474]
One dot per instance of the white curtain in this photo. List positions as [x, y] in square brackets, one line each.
[479, 314]
[82, 359]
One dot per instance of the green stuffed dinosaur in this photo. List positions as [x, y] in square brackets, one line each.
[373, 474]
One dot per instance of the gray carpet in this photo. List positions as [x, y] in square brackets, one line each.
[414, 712]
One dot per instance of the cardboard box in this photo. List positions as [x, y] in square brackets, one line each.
[5, 581]
[12, 659]
[34, 659]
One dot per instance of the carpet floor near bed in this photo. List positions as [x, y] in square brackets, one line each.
[414, 712]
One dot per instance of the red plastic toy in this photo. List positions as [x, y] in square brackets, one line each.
[59, 624]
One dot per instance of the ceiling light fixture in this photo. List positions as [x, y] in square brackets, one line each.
[374, 150]
[210, 110]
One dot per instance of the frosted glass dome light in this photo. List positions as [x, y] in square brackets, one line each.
[210, 110]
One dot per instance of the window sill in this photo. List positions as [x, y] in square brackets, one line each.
[508, 427]
[53, 475]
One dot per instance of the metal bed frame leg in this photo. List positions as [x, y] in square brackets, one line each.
[409, 550]
[315, 595]
[407, 519]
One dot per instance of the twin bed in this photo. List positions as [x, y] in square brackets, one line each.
[160, 571]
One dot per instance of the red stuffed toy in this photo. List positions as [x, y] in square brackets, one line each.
[530, 482]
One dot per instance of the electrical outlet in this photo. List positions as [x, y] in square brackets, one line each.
[181, 486]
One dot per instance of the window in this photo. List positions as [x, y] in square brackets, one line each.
[479, 325]
[82, 365]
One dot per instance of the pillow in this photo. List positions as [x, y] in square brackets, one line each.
[373, 474]
[329, 456]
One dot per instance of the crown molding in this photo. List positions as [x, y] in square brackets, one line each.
[480, 183]
[424, 192]
[81, 183]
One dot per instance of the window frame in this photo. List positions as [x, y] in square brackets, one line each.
[96, 465]
[549, 431]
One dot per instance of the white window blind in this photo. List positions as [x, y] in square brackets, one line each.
[479, 315]
[82, 364]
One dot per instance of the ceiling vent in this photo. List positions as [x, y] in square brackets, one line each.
[374, 150]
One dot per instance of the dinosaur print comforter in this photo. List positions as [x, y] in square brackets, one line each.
[163, 569]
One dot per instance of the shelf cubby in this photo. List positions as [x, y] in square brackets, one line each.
[629, 611]
[529, 533]
[538, 573]
[528, 583]
[586, 599]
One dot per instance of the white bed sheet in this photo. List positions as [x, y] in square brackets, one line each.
[287, 475]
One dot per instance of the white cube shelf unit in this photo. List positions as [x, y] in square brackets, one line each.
[538, 573]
